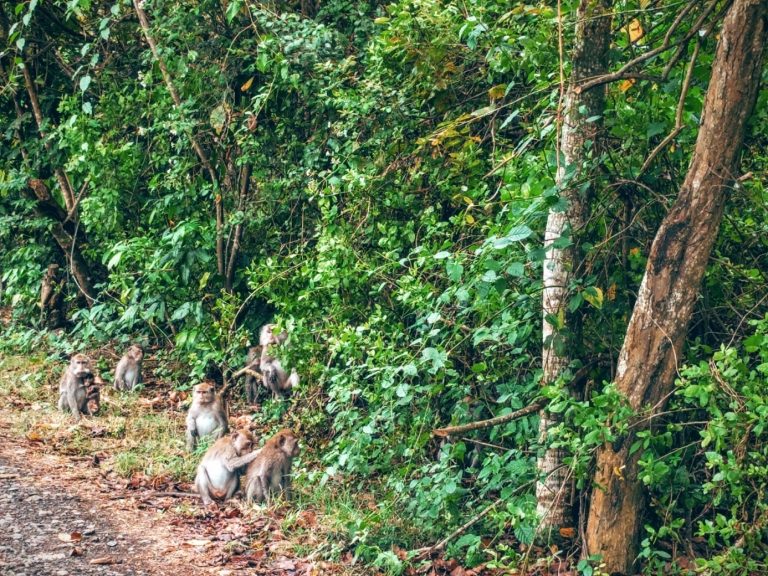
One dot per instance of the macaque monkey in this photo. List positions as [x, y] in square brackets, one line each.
[51, 290]
[218, 474]
[276, 378]
[128, 371]
[258, 359]
[72, 387]
[270, 472]
[206, 415]
[93, 386]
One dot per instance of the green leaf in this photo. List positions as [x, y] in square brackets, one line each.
[85, 81]
[518, 233]
[114, 261]
[654, 129]
[594, 296]
[516, 269]
[232, 9]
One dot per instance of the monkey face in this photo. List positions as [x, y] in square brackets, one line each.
[80, 365]
[204, 393]
[289, 444]
[243, 441]
[136, 352]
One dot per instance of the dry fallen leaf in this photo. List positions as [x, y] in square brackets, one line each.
[34, 436]
[284, 564]
[197, 542]
[70, 537]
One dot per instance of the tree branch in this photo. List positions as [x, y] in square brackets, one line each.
[665, 45]
[201, 153]
[453, 430]
[679, 113]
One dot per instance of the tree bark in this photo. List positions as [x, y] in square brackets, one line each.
[196, 146]
[590, 58]
[61, 177]
[65, 236]
[648, 360]
[234, 249]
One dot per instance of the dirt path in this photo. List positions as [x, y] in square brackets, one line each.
[51, 523]
[63, 516]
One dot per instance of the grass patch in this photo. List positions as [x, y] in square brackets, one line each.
[131, 435]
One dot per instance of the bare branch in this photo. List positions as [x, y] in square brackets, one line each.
[678, 115]
[452, 430]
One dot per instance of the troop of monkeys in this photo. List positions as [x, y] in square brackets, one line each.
[218, 474]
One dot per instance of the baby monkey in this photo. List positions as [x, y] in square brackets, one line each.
[218, 474]
[206, 415]
[93, 386]
[270, 472]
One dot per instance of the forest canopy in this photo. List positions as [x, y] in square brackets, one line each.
[458, 211]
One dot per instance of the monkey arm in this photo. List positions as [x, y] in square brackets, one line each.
[223, 425]
[286, 478]
[191, 432]
[232, 464]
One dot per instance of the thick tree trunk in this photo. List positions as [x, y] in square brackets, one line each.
[593, 27]
[652, 348]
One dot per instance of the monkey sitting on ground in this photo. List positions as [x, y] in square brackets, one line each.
[206, 415]
[128, 370]
[72, 386]
[218, 474]
[270, 472]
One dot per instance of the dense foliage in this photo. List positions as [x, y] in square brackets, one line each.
[383, 175]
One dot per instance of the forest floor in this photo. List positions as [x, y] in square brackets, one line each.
[64, 510]
[91, 497]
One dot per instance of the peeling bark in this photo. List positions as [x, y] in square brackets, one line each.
[593, 27]
[648, 360]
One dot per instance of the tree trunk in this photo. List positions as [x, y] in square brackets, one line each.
[196, 146]
[593, 27]
[649, 358]
[65, 236]
[61, 177]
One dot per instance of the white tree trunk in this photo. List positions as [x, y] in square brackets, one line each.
[593, 25]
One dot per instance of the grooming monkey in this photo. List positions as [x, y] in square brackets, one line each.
[218, 474]
[270, 472]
